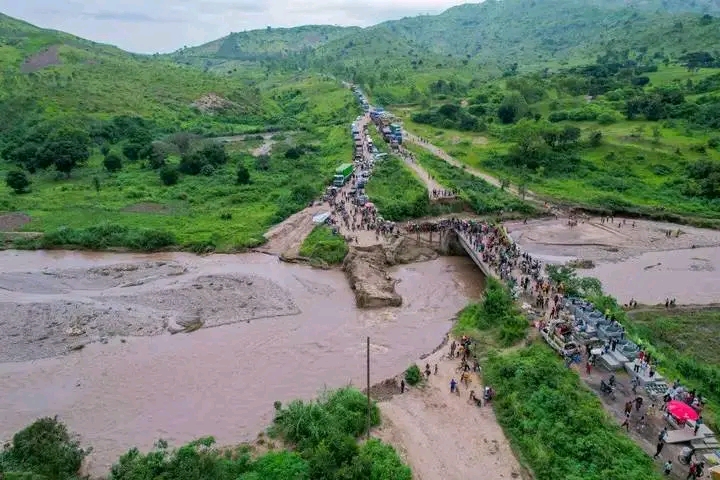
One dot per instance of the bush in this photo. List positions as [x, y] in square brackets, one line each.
[243, 175]
[112, 162]
[207, 170]
[18, 181]
[107, 235]
[169, 175]
[44, 448]
[413, 376]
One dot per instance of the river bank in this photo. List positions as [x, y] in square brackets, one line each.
[133, 390]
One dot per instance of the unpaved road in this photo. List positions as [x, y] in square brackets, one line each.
[492, 180]
[443, 436]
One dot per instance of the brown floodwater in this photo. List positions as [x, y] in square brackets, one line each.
[223, 381]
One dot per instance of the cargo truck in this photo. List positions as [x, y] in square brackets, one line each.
[342, 174]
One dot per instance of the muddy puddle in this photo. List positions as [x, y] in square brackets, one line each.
[280, 332]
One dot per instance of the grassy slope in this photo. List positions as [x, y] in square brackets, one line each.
[101, 80]
[324, 245]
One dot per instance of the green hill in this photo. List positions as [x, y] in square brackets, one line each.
[260, 45]
[492, 35]
[48, 74]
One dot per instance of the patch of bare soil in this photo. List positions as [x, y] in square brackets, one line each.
[10, 222]
[44, 314]
[444, 436]
[212, 103]
[480, 140]
[147, 207]
[42, 59]
[286, 238]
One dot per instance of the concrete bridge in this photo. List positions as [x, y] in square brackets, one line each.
[477, 258]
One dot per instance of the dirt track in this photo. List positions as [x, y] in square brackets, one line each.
[442, 435]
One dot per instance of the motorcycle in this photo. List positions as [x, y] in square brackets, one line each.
[607, 389]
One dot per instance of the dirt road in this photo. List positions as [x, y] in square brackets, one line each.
[492, 180]
[444, 436]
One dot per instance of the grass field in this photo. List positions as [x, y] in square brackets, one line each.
[323, 245]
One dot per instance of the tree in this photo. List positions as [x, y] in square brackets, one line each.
[169, 175]
[112, 162]
[192, 163]
[243, 175]
[47, 449]
[18, 181]
[135, 151]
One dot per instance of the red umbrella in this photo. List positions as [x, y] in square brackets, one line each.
[681, 410]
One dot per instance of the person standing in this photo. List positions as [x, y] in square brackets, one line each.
[453, 385]
[588, 367]
[667, 468]
[402, 386]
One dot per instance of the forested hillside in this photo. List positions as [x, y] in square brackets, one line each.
[486, 38]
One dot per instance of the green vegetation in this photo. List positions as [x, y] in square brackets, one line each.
[413, 375]
[324, 245]
[396, 192]
[556, 424]
[201, 194]
[322, 436]
[482, 197]
[43, 451]
[497, 314]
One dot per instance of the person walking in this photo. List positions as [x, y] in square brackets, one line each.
[698, 422]
[453, 385]
[588, 367]
[626, 423]
[402, 386]
[660, 446]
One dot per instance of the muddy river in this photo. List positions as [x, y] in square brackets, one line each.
[85, 336]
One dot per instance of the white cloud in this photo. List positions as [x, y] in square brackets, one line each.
[166, 25]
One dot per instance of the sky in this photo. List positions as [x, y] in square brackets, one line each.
[149, 26]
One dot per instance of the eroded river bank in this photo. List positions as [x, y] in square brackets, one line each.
[296, 330]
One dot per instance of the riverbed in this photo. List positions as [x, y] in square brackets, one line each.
[291, 332]
[635, 259]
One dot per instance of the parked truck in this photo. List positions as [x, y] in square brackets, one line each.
[342, 174]
[559, 335]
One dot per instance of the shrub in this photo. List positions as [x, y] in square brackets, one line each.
[44, 448]
[112, 162]
[207, 170]
[242, 175]
[413, 376]
[18, 181]
[169, 175]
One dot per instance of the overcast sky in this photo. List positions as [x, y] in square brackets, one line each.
[148, 26]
